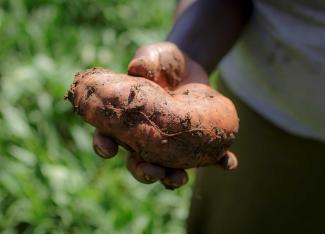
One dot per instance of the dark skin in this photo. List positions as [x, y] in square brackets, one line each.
[207, 29]
[204, 30]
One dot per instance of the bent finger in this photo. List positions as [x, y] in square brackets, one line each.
[104, 146]
[229, 161]
[144, 172]
[174, 178]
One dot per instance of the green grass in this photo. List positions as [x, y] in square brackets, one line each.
[50, 179]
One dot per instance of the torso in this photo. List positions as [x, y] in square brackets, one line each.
[278, 66]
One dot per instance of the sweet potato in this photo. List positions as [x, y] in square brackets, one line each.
[191, 126]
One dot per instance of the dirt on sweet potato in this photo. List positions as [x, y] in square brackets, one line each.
[188, 127]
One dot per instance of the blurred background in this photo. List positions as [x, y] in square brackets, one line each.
[50, 179]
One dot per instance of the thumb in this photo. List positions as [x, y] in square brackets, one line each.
[162, 63]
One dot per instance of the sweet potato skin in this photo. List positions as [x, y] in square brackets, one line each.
[191, 126]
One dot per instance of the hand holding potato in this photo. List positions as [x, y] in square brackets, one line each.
[168, 125]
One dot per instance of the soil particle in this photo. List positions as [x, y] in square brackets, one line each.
[114, 101]
[69, 96]
[90, 91]
[186, 92]
[186, 122]
[107, 112]
[131, 96]
[132, 117]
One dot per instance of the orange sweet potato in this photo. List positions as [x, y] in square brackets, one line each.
[191, 126]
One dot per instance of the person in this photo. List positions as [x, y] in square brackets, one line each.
[271, 57]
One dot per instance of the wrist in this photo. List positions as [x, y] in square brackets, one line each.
[187, 35]
[207, 30]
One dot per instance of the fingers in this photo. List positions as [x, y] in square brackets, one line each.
[144, 172]
[174, 178]
[229, 161]
[104, 146]
[149, 173]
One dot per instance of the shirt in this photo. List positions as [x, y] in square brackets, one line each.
[278, 65]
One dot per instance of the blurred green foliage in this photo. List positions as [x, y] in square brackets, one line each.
[50, 180]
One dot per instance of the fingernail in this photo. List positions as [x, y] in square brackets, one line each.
[148, 178]
[101, 152]
[228, 163]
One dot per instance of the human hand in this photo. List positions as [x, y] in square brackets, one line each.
[167, 66]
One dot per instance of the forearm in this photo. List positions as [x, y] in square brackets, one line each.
[207, 29]
[182, 6]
